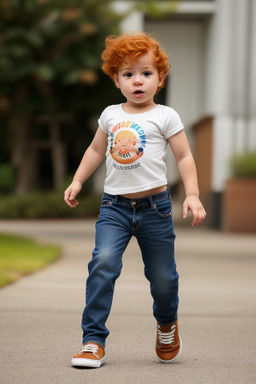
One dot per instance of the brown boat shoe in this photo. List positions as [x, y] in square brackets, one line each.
[168, 343]
[92, 355]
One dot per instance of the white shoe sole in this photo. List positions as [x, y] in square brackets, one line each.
[87, 363]
[175, 359]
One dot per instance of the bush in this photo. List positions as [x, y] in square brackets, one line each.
[244, 165]
[46, 205]
[7, 178]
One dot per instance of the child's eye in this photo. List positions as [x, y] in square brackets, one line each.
[146, 73]
[128, 74]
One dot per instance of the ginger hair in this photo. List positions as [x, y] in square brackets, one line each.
[133, 45]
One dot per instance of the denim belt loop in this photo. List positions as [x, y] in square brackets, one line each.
[151, 202]
[115, 200]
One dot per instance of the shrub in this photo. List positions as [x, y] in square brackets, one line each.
[244, 165]
[7, 178]
[46, 205]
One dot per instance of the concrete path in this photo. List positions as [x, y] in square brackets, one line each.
[41, 313]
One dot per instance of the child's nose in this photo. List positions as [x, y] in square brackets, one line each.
[137, 79]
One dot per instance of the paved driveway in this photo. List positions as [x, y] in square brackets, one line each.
[41, 313]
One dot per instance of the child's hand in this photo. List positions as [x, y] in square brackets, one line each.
[71, 193]
[193, 203]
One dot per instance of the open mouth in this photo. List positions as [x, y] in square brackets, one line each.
[138, 92]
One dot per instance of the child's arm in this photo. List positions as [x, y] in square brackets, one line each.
[92, 158]
[186, 165]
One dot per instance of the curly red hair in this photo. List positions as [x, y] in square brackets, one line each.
[133, 45]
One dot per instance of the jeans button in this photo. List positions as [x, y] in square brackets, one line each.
[133, 202]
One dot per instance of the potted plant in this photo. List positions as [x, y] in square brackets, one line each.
[240, 194]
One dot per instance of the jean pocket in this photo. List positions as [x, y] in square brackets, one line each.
[164, 208]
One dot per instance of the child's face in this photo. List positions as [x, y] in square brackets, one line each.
[125, 144]
[139, 81]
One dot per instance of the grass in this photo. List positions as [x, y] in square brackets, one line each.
[21, 256]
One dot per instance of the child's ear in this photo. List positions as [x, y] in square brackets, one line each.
[115, 78]
[161, 79]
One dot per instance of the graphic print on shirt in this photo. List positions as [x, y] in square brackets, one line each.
[127, 142]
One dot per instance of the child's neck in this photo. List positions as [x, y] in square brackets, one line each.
[133, 108]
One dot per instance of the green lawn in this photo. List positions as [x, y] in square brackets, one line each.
[20, 256]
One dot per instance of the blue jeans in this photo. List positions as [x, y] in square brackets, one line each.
[149, 220]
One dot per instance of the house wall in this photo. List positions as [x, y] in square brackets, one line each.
[203, 148]
[231, 84]
[184, 43]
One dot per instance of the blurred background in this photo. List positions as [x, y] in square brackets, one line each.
[52, 91]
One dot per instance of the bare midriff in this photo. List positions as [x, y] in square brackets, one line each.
[149, 192]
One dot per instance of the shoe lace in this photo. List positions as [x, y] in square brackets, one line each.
[166, 337]
[93, 348]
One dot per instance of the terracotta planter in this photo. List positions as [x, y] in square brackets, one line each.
[240, 205]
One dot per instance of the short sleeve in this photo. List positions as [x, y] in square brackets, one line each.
[172, 124]
[102, 121]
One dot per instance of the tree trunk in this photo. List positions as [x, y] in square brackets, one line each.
[24, 157]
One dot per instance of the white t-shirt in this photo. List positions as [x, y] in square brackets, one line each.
[137, 146]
